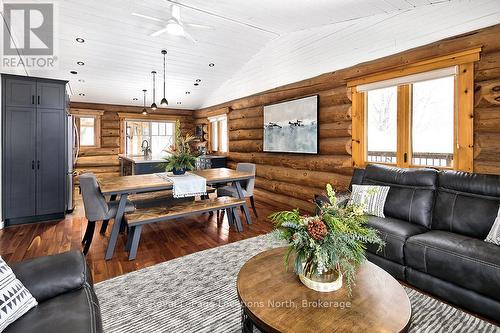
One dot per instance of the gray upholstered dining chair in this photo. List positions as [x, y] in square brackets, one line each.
[247, 186]
[96, 207]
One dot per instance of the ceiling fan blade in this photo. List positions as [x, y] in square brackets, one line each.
[176, 12]
[189, 37]
[198, 26]
[147, 17]
[159, 32]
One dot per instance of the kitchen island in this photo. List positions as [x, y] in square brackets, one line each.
[140, 164]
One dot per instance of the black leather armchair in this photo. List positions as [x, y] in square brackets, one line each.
[62, 285]
[435, 226]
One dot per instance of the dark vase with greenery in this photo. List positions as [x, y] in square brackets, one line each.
[180, 159]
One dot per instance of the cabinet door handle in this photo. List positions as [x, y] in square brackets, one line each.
[32, 99]
[33, 165]
[38, 99]
[38, 165]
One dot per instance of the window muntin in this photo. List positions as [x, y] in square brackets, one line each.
[158, 134]
[432, 125]
[382, 125]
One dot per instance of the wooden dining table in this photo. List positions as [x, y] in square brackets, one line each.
[123, 186]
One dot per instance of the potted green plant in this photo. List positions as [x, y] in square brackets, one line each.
[327, 247]
[180, 159]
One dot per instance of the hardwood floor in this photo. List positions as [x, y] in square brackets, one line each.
[159, 242]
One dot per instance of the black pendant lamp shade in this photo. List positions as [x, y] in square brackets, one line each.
[144, 111]
[153, 105]
[164, 101]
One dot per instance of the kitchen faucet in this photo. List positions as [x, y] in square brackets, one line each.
[146, 150]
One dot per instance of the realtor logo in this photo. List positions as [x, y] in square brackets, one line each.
[28, 35]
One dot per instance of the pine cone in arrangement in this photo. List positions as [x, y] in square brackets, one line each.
[317, 229]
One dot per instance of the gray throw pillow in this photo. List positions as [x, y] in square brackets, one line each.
[494, 234]
[371, 197]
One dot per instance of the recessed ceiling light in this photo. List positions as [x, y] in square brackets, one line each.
[74, 72]
[211, 64]
[80, 40]
[81, 80]
[188, 92]
[196, 84]
[135, 99]
[179, 102]
[80, 63]
[81, 94]
[198, 80]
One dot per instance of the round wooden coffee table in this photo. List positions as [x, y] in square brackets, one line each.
[275, 300]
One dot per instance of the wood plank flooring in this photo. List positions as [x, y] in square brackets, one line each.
[159, 242]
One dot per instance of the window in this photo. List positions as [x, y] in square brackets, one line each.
[432, 122]
[382, 125]
[416, 116]
[156, 135]
[218, 134]
[88, 130]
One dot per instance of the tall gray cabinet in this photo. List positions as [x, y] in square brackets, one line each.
[33, 149]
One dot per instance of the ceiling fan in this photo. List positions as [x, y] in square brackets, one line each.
[174, 24]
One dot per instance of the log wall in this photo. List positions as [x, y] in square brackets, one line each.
[291, 180]
[104, 160]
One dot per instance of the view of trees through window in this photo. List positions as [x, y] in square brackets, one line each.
[158, 135]
[87, 131]
[431, 122]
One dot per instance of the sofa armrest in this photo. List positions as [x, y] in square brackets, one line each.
[50, 276]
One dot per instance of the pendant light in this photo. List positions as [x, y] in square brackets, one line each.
[144, 111]
[164, 101]
[153, 105]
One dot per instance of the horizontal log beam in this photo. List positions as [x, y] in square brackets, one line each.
[490, 167]
[335, 113]
[257, 111]
[284, 201]
[341, 164]
[296, 191]
[246, 134]
[488, 67]
[337, 129]
[312, 178]
[487, 93]
[336, 146]
[246, 123]
[245, 146]
[336, 96]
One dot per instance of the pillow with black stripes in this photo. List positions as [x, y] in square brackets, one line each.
[371, 197]
[494, 234]
[15, 299]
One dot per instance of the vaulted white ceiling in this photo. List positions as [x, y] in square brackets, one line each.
[255, 45]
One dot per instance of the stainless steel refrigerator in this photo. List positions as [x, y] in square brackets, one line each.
[73, 146]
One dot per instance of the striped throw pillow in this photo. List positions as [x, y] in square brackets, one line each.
[15, 299]
[494, 234]
[371, 197]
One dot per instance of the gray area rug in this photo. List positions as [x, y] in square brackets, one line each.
[197, 293]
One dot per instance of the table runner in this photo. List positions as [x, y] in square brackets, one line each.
[186, 185]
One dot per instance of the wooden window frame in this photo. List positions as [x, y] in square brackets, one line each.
[86, 113]
[464, 109]
[149, 120]
[217, 120]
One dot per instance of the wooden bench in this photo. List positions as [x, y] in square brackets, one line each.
[140, 217]
[157, 198]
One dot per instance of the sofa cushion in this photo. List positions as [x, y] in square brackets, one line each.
[76, 311]
[466, 203]
[411, 196]
[50, 276]
[394, 232]
[465, 261]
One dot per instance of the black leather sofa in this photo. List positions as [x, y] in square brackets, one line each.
[435, 226]
[62, 285]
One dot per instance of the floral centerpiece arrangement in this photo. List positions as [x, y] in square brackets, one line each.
[326, 247]
[180, 159]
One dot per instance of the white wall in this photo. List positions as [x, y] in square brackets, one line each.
[304, 54]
